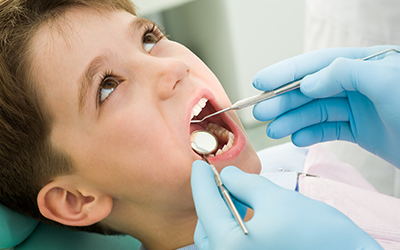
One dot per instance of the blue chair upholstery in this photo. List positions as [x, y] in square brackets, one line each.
[24, 233]
[14, 227]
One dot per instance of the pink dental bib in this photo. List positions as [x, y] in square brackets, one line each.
[342, 186]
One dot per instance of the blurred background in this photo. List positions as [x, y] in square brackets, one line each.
[237, 38]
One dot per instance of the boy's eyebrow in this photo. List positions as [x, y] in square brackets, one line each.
[86, 80]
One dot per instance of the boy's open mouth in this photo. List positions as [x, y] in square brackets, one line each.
[214, 124]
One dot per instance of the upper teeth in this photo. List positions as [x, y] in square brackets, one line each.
[198, 107]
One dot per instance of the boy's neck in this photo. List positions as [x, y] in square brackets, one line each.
[158, 229]
[171, 235]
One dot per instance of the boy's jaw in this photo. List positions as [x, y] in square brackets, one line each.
[230, 146]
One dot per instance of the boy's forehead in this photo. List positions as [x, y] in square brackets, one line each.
[66, 28]
[64, 36]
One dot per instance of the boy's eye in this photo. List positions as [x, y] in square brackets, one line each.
[107, 86]
[151, 37]
[149, 40]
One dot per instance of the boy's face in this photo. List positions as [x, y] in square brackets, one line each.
[122, 105]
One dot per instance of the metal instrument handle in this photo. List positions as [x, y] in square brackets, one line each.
[265, 95]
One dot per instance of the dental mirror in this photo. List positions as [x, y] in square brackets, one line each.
[203, 142]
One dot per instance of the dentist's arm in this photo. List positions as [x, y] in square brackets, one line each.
[282, 219]
[342, 99]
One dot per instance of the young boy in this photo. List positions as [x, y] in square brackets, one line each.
[95, 110]
[95, 120]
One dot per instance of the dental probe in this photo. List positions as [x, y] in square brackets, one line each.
[278, 91]
[203, 142]
[244, 103]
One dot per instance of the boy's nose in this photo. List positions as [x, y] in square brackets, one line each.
[169, 73]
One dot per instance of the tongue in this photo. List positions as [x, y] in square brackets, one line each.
[195, 127]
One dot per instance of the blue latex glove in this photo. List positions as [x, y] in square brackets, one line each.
[283, 219]
[356, 101]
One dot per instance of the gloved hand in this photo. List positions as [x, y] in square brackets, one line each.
[346, 99]
[283, 219]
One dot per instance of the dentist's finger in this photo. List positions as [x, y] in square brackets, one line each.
[200, 237]
[323, 132]
[299, 66]
[315, 112]
[210, 206]
[249, 189]
[292, 69]
[269, 109]
[352, 75]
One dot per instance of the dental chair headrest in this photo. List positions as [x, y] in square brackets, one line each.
[14, 227]
[24, 233]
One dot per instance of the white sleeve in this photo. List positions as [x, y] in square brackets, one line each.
[286, 156]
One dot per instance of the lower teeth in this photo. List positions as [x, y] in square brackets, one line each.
[223, 135]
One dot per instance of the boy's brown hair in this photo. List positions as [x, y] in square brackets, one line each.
[28, 160]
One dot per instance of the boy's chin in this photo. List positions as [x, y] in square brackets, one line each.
[252, 161]
[249, 162]
[254, 165]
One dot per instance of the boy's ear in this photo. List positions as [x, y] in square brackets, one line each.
[68, 204]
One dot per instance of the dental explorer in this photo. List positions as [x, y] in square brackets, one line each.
[272, 93]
